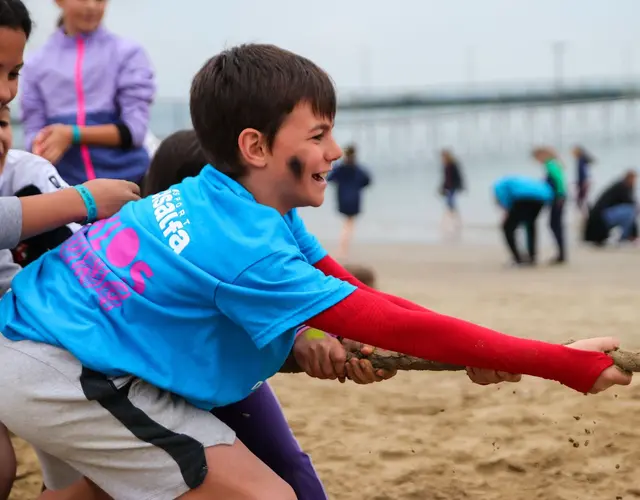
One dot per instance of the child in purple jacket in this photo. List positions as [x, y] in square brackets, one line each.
[85, 98]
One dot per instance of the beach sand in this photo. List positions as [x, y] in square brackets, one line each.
[437, 435]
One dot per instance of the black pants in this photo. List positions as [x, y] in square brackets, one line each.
[522, 212]
[557, 227]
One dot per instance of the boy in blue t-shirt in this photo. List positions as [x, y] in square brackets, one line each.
[117, 344]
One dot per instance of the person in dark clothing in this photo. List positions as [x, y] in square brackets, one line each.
[350, 179]
[452, 183]
[583, 177]
[555, 177]
[616, 207]
[522, 199]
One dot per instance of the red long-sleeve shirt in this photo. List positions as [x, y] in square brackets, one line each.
[393, 323]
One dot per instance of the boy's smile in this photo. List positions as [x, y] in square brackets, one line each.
[321, 177]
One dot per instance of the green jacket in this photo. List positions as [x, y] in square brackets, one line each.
[556, 178]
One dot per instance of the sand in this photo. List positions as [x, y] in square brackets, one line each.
[436, 435]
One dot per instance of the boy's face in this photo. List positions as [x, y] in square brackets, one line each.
[5, 135]
[11, 50]
[307, 140]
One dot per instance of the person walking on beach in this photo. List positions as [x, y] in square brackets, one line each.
[350, 178]
[522, 199]
[86, 96]
[583, 178]
[555, 177]
[452, 183]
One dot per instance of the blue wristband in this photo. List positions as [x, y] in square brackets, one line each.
[89, 202]
[75, 137]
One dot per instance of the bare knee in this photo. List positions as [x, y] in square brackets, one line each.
[234, 473]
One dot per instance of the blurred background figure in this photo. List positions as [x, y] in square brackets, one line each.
[615, 208]
[86, 96]
[522, 199]
[584, 161]
[452, 183]
[555, 177]
[350, 179]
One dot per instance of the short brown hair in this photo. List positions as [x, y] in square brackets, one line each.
[253, 86]
[179, 156]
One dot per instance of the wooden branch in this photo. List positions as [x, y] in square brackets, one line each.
[388, 360]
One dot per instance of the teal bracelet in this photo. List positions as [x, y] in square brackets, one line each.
[75, 135]
[89, 202]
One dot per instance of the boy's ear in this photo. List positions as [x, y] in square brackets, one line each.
[253, 148]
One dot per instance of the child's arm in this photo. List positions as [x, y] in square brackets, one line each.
[281, 290]
[135, 93]
[10, 222]
[21, 218]
[369, 318]
[45, 212]
[24, 217]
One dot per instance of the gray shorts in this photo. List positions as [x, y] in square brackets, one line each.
[132, 439]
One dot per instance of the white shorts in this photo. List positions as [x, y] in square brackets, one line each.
[132, 439]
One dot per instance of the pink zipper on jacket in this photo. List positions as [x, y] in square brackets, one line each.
[82, 110]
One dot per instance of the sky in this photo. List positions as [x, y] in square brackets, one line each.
[375, 46]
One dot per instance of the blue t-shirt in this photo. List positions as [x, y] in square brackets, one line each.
[510, 189]
[196, 290]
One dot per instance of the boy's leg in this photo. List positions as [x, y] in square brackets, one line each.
[557, 228]
[242, 476]
[509, 230]
[7, 463]
[56, 473]
[131, 439]
[260, 424]
[82, 489]
[532, 217]
[346, 236]
[452, 205]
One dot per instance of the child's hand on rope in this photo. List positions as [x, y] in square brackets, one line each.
[361, 371]
[482, 376]
[320, 355]
[325, 357]
[612, 375]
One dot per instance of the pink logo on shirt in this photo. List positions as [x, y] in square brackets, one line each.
[122, 246]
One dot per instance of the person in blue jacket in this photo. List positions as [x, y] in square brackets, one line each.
[351, 178]
[522, 198]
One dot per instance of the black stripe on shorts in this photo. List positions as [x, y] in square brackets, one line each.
[186, 451]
